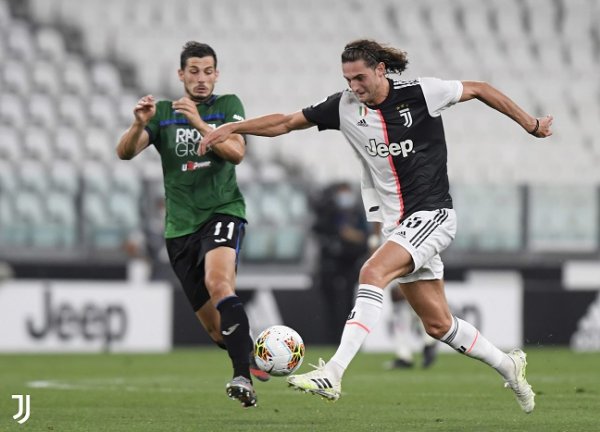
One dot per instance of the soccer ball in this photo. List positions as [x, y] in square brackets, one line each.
[279, 350]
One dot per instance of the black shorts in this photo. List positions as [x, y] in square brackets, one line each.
[186, 253]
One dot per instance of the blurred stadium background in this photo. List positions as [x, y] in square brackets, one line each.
[80, 231]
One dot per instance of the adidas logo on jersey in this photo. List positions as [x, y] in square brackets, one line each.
[362, 122]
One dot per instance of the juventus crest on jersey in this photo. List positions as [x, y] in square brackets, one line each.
[400, 143]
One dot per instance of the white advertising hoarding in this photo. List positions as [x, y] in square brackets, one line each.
[85, 316]
[491, 301]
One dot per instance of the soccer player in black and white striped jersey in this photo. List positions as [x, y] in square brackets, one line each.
[396, 129]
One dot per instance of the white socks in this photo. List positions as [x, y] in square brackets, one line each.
[364, 316]
[462, 336]
[466, 339]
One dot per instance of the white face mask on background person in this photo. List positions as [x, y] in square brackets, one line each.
[345, 199]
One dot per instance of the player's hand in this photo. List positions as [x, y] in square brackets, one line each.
[544, 128]
[145, 109]
[214, 137]
[187, 108]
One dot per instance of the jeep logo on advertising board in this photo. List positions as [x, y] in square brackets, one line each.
[90, 322]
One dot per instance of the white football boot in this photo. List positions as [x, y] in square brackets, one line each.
[523, 391]
[319, 382]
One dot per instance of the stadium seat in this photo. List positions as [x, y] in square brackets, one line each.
[75, 77]
[258, 243]
[5, 15]
[571, 226]
[68, 144]
[100, 230]
[64, 178]
[42, 111]
[9, 182]
[102, 112]
[106, 79]
[20, 41]
[10, 147]
[37, 144]
[7, 219]
[50, 44]
[289, 243]
[62, 218]
[125, 210]
[30, 223]
[245, 172]
[16, 77]
[96, 178]
[32, 176]
[479, 206]
[73, 111]
[99, 144]
[127, 180]
[45, 78]
[126, 102]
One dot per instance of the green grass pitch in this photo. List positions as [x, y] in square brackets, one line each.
[185, 391]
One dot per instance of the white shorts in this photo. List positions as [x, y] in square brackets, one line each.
[424, 235]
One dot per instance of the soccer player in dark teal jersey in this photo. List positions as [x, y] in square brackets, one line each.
[205, 218]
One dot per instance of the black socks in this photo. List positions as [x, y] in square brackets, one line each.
[236, 334]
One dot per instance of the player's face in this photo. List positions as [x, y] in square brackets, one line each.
[199, 77]
[366, 83]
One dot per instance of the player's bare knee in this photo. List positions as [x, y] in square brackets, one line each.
[436, 328]
[372, 275]
[218, 289]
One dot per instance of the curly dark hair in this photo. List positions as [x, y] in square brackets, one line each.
[373, 53]
[196, 49]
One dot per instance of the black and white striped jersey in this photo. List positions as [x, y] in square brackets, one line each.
[401, 145]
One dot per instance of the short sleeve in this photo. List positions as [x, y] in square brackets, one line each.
[235, 110]
[325, 114]
[440, 94]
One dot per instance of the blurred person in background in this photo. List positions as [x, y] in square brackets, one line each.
[205, 210]
[341, 230]
[405, 327]
[396, 129]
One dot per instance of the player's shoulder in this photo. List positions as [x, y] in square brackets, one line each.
[399, 84]
[227, 99]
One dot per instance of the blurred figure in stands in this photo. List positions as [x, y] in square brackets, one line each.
[405, 327]
[341, 230]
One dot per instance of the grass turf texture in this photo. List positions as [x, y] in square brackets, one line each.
[185, 391]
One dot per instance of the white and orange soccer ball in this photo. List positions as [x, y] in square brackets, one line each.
[279, 350]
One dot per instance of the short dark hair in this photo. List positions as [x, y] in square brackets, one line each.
[196, 49]
[373, 53]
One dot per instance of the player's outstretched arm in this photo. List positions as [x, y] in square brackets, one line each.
[538, 127]
[135, 139]
[270, 125]
[232, 149]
